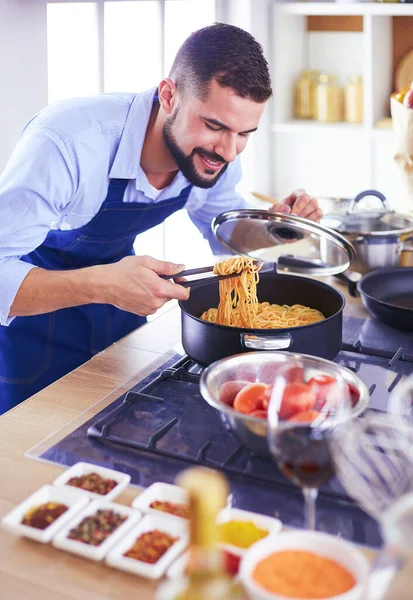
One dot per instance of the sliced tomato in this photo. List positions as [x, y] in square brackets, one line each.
[260, 414]
[267, 397]
[298, 397]
[296, 374]
[354, 393]
[321, 379]
[307, 416]
[250, 398]
[229, 390]
[321, 384]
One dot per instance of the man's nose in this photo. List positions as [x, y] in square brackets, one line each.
[228, 147]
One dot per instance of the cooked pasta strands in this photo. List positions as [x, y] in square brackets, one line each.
[239, 306]
[238, 303]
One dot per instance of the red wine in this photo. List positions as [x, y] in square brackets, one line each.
[303, 455]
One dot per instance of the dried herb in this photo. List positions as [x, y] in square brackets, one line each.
[92, 482]
[96, 528]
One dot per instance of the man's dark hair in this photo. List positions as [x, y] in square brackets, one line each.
[227, 54]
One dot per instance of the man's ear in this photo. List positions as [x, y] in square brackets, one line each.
[168, 95]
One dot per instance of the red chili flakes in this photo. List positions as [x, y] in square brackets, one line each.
[150, 546]
[92, 482]
[96, 528]
[44, 515]
[179, 510]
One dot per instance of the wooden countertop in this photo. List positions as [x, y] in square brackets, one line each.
[34, 571]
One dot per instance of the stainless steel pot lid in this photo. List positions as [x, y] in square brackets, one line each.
[384, 222]
[294, 244]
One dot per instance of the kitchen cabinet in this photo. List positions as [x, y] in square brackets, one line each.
[367, 39]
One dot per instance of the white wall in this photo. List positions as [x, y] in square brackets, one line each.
[254, 16]
[23, 67]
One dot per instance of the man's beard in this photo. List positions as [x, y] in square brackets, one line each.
[186, 163]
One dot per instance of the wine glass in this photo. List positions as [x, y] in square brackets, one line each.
[307, 403]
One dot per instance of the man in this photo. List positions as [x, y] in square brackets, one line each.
[88, 175]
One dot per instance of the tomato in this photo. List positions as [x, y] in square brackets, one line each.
[321, 385]
[354, 394]
[319, 380]
[296, 374]
[267, 397]
[260, 414]
[298, 397]
[250, 398]
[229, 390]
[307, 416]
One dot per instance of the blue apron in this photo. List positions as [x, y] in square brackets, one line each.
[37, 350]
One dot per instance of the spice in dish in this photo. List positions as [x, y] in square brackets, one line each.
[44, 515]
[92, 482]
[96, 528]
[179, 510]
[302, 574]
[241, 533]
[150, 546]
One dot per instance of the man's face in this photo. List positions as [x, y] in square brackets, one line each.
[203, 136]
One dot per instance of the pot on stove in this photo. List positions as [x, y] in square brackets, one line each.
[381, 238]
[290, 246]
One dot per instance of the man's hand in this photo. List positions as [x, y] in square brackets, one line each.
[299, 203]
[132, 284]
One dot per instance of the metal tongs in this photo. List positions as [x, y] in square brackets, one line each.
[198, 271]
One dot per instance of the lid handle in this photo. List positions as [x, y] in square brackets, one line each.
[379, 195]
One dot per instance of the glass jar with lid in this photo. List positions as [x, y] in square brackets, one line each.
[353, 99]
[304, 94]
[329, 99]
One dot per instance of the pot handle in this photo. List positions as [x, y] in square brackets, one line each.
[255, 342]
[357, 199]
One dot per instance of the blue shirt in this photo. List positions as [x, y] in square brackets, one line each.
[58, 177]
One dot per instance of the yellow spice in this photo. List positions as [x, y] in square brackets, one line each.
[241, 533]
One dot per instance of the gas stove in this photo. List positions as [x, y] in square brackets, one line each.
[162, 425]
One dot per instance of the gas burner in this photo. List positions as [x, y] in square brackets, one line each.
[163, 424]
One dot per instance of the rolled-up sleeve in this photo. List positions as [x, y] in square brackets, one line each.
[204, 205]
[35, 191]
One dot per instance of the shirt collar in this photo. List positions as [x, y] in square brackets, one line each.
[127, 159]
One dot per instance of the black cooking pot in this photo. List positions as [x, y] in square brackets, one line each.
[207, 342]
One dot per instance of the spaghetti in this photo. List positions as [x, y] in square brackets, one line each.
[239, 306]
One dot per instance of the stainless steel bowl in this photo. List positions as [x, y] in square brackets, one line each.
[262, 367]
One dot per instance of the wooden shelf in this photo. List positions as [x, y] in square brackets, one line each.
[304, 126]
[351, 8]
[365, 38]
[314, 127]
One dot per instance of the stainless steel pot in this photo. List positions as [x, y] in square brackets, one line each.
[262, 366]
[380, 238]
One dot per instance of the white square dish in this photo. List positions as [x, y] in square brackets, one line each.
[83, 468]
[177, 568]
[61, 540]
[72, 498]
[175, 527]
[271, 524]
[165, 492]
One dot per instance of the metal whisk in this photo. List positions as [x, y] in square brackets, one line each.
[373, 457]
